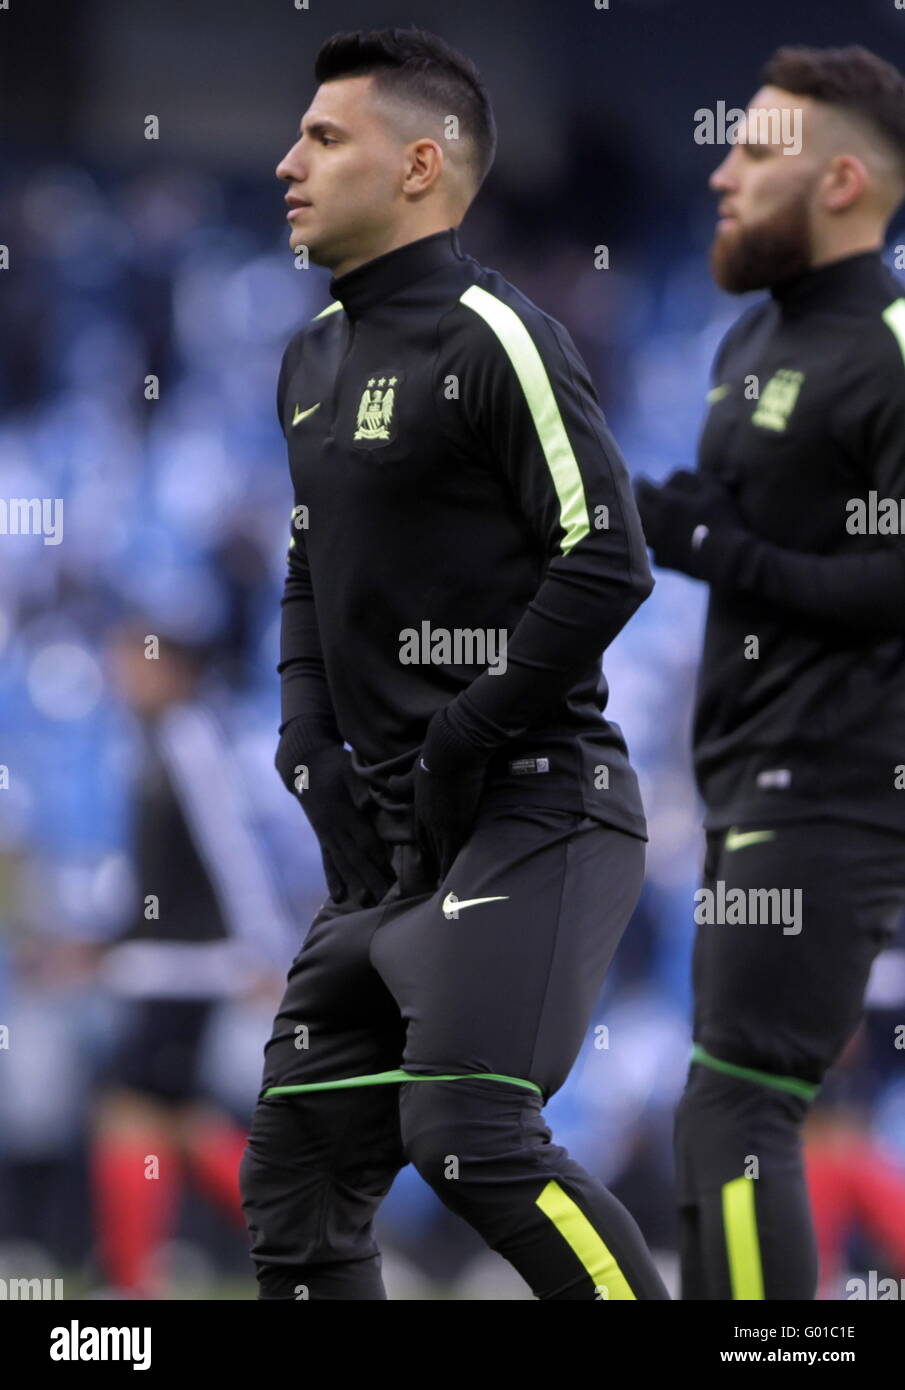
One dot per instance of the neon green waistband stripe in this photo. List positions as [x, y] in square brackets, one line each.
[577, 1231]
[386, 1078]
[742, 1244]
[806, 1089]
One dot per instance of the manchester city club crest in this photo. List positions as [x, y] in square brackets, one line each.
[378, 407]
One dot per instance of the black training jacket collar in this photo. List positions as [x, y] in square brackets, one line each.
[385, 275]
[849, 278]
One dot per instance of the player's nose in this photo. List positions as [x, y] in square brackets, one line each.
[720, 180]
[290, 167]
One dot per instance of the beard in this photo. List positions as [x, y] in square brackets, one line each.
[759, 257]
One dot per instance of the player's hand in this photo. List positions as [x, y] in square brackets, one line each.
[691, 522]
[446, 807]
[445, 786]
[357, 864]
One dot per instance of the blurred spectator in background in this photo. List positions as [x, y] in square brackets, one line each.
[854, 1144]
[203, 900]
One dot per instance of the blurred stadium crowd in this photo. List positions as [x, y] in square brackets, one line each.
[176, 509]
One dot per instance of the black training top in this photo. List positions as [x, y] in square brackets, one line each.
[801, 695]
[464, 534]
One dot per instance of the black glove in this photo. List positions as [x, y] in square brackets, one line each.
[445, 786]
[319, 772]
[692, 524]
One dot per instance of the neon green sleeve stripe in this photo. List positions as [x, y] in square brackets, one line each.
[894, 318]
[806, 1089]
[520, 348]
[330, 309]
[385, 1078]
[577, 1231]
[742, 1244]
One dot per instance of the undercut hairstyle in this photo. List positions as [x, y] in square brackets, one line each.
[424, 70]
[852, 78]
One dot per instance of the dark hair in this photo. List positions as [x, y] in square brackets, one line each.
[423, 68]
[853, 78]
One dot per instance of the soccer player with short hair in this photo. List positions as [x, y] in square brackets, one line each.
[464, 546]
[799, 729]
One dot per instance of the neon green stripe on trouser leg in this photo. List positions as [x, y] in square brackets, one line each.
[385, 1078]
[742, 1243]
[592, 1251]
[807, 1090]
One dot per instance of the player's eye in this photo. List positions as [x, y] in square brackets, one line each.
[327, 140]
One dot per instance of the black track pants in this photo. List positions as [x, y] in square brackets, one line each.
[456, 1014]
[776, 1000]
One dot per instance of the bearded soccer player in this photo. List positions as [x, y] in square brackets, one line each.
[799, 731]
[464, 546]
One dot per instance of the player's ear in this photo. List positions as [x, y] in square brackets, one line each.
[423, 166]
[844, 182]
